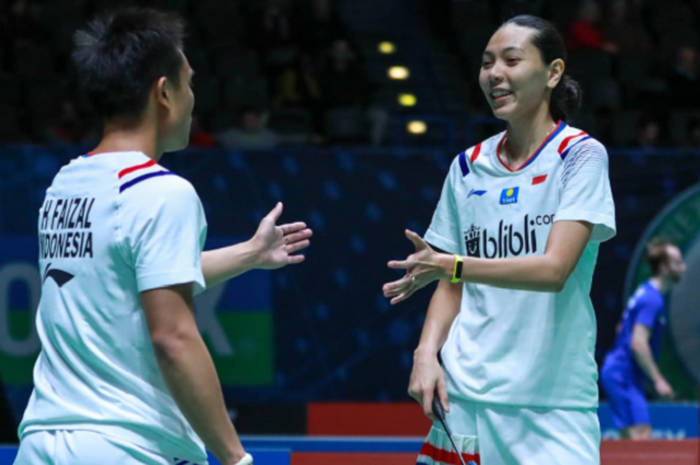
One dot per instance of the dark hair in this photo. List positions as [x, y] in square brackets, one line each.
[657, 253]
[120, 55]
[566, 96]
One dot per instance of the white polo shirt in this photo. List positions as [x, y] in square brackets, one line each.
[515, 347]
[111, 226]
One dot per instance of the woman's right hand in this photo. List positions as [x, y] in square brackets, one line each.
[427, 380]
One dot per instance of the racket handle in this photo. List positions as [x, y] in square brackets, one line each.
[438, 411]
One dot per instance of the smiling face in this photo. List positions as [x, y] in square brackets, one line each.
[513, 77]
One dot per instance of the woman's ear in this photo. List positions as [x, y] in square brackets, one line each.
[556, 72]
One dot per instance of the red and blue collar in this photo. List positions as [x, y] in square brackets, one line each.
[555, 132]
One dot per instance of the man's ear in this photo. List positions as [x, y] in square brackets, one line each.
[163, 91]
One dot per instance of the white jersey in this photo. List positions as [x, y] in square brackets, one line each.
[515, 347]
[111, 226]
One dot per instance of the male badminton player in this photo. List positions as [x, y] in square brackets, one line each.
[124, 376]
[632, 360]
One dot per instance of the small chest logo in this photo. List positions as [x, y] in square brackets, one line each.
[509, 196]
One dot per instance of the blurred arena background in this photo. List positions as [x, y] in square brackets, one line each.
[350, 112]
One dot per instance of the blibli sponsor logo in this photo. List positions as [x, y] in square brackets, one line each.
[509, 240]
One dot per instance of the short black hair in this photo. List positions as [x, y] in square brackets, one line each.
[566, 96]
[120, 54]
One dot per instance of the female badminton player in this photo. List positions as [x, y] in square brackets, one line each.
[513, 243]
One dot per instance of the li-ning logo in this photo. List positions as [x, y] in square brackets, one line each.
[59, 276]
[475, 192]
[508, 241]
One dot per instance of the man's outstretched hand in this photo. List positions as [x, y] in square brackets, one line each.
[277, 244]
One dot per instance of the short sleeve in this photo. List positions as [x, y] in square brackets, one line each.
[649, 310]
[585, 189]
[164, 232]
[443, 232]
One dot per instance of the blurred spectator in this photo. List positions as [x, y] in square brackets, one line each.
[250, 135]
[345, 85]
[71, 127]
[274, 34]
[19, 30]
[648, 133]
[344, 80]
[683, 82]
[320, 25]
[300, 86]
[604, 124]
[19, 25]
[200, 137]
[692, 133]
[623, 28]
[585, 32]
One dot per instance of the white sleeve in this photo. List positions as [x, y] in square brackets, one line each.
[443, 232]
[164, 232]
[585, 189]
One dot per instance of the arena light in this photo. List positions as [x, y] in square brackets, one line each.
[387, 48]
[407, 100]
[399, 73]
[417, 127]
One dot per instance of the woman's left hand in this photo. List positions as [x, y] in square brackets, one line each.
[422, 267]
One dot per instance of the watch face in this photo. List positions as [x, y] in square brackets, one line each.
[458, 271]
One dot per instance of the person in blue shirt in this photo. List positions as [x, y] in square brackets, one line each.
[633, 357]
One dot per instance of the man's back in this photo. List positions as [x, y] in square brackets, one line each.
[125, 376]
[112, 225]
